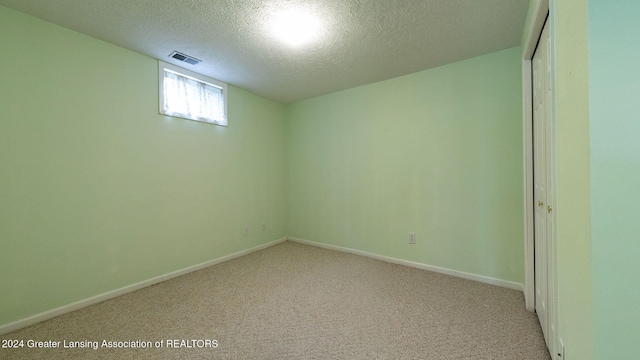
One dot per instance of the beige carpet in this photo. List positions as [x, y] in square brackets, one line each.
[294, 301]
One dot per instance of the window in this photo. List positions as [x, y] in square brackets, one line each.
[192, 96]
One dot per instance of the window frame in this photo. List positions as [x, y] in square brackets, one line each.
[195, 76]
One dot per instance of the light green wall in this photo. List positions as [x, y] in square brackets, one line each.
[98, 191]
[569, 54]
[437, 152]
[614, 105]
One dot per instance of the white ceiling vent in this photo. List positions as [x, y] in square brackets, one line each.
[184, 57]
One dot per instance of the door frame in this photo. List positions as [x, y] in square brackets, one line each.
[532, 34]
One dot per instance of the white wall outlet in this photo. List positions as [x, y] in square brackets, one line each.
[412, 238]
[263, 226]
[245, 230]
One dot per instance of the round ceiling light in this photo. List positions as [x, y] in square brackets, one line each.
[296, 26]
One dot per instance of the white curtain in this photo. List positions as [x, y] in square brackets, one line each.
[192, 99]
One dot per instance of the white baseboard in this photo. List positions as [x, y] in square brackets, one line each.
[16, 325]
[460, 274]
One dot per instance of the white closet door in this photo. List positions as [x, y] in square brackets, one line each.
[541, 163]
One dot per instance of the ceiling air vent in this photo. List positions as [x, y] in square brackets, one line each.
[184, 57]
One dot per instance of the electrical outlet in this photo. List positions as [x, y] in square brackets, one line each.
[245, 231]
[412, 238]
[264, 226]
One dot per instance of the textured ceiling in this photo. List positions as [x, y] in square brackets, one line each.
[362, 41]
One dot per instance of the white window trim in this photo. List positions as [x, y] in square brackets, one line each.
[198, 77]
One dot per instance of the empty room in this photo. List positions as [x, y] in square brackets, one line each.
[288, 179]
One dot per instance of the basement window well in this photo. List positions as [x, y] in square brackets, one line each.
[191, 96]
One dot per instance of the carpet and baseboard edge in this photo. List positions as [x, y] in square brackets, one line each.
[19, 324]
[421, 266]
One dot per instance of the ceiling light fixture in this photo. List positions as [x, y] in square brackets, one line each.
[296, 26]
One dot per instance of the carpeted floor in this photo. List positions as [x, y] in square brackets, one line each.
[293, 301]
